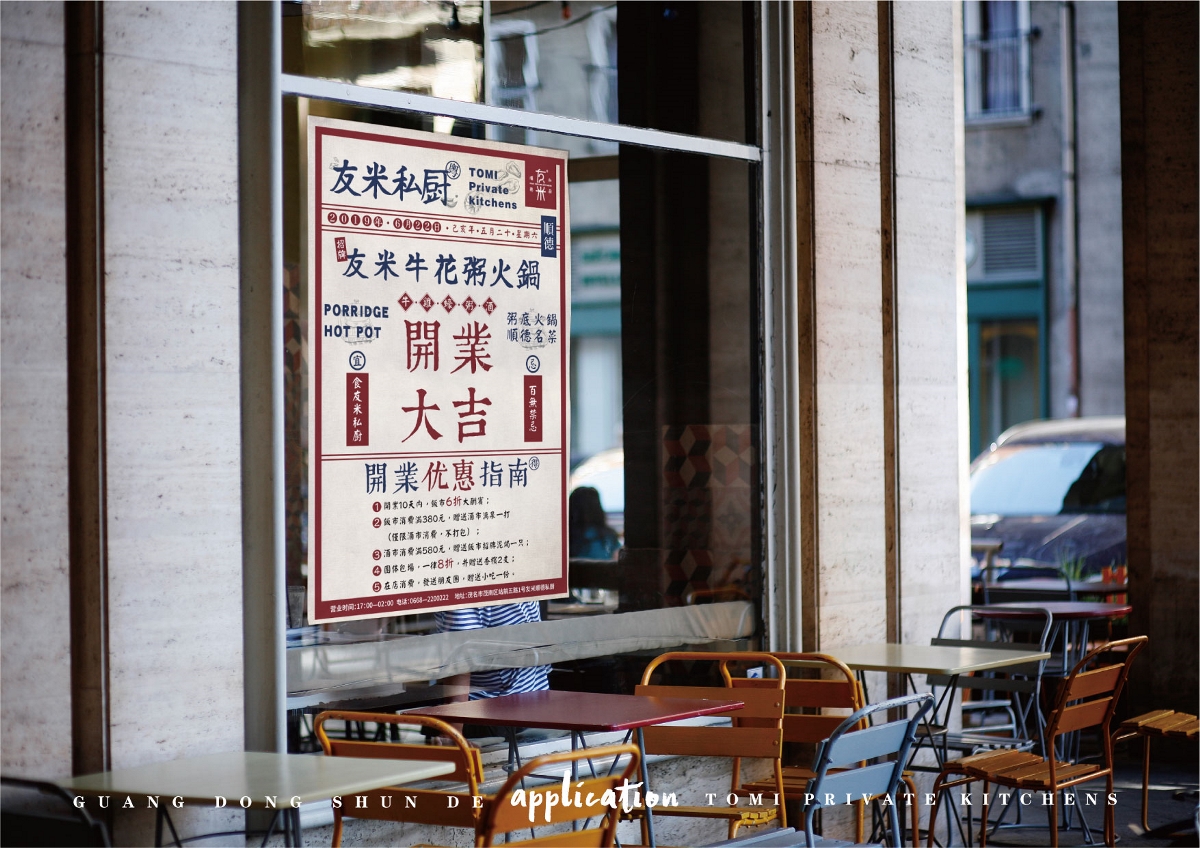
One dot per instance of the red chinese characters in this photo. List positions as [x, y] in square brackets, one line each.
[357, 409]
[532, 402]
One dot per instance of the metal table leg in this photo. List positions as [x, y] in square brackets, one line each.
[641, 743]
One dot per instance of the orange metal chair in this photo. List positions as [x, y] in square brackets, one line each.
[1087, 699]
[805, 720]
[500, 815]
[756, 731]
[428, 806]
[1165, 724]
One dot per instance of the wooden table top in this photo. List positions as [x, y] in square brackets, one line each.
[585, 712]
[1061, 610]
[234, 774]
[926, 659]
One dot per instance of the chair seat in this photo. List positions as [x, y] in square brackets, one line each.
[744, 815]
[1167, 723]
[1021, 769]
[795, 778]
[786, 838]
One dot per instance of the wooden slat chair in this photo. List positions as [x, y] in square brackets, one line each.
[838, 771]
[500, 815]
[428, 806]
[1164, 724]
[804, 721]
[1087, 699]
[756, 733]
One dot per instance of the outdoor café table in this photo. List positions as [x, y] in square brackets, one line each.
[580, 712]
[1071, 618]
[940, 660]
[238, 774]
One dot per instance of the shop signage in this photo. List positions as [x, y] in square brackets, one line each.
[438, 324]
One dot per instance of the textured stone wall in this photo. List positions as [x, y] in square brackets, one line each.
[1159, 143]
[35, 687]
[929, 360]
[173, 404]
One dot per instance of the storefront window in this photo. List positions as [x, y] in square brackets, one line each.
[665, 331]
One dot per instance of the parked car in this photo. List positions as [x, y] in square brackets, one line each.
[1054, 493]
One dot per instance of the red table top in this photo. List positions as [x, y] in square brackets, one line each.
[1061, 610]
[581, 711]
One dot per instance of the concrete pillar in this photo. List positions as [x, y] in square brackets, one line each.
[35, 677]
[883, 300]
[172, 402]
[931, 317]
[1159, 170]
[850, 605]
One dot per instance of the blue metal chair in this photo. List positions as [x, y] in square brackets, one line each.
[888, 744]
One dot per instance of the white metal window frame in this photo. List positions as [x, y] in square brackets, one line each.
[973, 68]
[265, 589]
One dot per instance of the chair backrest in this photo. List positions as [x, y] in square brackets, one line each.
[805, 698]
[1088, 697]
[851, 744]
[1016, 678]
[515, 808]
[757, 731]
[36, 813]
[426, 806]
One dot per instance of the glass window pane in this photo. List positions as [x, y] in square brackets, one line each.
[664, 404]
[554, 58]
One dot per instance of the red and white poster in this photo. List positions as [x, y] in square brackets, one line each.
[439, 316]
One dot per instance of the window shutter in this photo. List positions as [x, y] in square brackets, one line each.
[1010, 243]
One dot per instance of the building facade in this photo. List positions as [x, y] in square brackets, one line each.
[1043, 178]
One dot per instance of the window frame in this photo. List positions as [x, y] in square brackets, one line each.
[974, 113]
[773, 164]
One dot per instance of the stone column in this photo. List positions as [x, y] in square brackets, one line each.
[36, 676]
[1159, 208]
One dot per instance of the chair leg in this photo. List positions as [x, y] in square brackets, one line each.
[859, 812]
[1145, 783]
[913, 807]
[1053, 813]
[337, 828]
[983, 817]
[782, 797]
[897, 831]
[1110, 814]
[933, 812]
